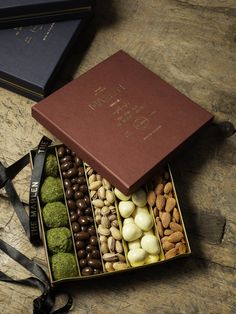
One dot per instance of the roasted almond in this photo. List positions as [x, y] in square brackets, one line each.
[170, 204]
[160, 227]
[175, 236]
[151, 198]
[175, 227]
[176, 215]
[171, 253]
[168, 188]
[181, 248]
[160, 202]
[167, 246]
[159, 189]
[168, 232]
[165, 219]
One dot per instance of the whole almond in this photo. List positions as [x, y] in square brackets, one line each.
[110, 196]
[168, 232]
[115, 233]
[98, 203]
[110, 257]
[119, 247]
[159, 189]
[176, 215]
[155, 212]
[111, 244]
[165, 219]
[103, 231]
[102, 193]
[120, 266]
[168, 188]
[104, 248]
[151, 198]
[105, 222]
[175, 237]
[171, 253]
[175, 227]
[165, 238]
[181, 247]
[92, 178]
[159, 227]
[170, 204]
[109, 267]
[168, 246]
[95, 185]
[160, 202]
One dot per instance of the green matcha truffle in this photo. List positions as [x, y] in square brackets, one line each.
[51, 167]
[59, 240]
[55, 215]
[51, 190]
[63, 266]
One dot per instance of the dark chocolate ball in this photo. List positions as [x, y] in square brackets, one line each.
[61, 151]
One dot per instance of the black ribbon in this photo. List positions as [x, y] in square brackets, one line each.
[34, 189]
[44, 303]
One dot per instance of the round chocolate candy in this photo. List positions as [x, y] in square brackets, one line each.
[91, 231]
[81, 204]
[69, 193]
[81, 180]
[90, 248]
[81, 254]
[65, 159]
[89, 255]
[96, 271]
[87, 271]
[95, 263]
[72, 172]
[80, 244]
[66, 165]
[90, 220]
[78, 161]
[64, 175]
[81, 171]
[61, 151]
[80, 212]
[83, 188]
[93, 240]
[71, 204]
[67, 183]
[75, 227]
[74, 217]
[83, 228]
[74, 180]
[73, 154]
[78, 195]
[87, 201]
[83, 262]
[68, 151]
[83, 220]
[82, 235]
[95, 254]
[75, 187]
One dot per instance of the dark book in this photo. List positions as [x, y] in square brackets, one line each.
[30, 56]
[27, 12]
[122, 119]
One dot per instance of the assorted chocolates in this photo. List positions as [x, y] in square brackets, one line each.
[92, 228]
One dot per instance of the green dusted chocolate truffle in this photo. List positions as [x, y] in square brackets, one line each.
[51, 167]
[63, 266]
[55, 215]
[59, 240]
[51, 190]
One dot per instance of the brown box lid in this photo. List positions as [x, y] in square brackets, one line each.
[122, 119]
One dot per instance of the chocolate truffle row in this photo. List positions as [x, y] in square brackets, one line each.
[81, 214]
[163, 201]
[54, 213]
[106, 221]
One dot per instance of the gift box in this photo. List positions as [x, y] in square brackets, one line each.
[27, 12]
[123, 119]
[32, 55]
[91, 229]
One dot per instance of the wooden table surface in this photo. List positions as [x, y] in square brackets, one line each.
[192, 45]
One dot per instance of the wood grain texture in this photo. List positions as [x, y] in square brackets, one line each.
[192, 45]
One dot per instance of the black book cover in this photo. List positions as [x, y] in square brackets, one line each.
[27, 12]
[30, 56]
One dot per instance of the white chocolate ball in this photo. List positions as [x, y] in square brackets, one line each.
[137, 257]
[148, 232]
[134, 244]
[152, 259]
[131, 232]
[121, 196]
[126, 208]
[144, 221]
[129, 220]
[139, 210]
[150, 244]
[139, 198]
